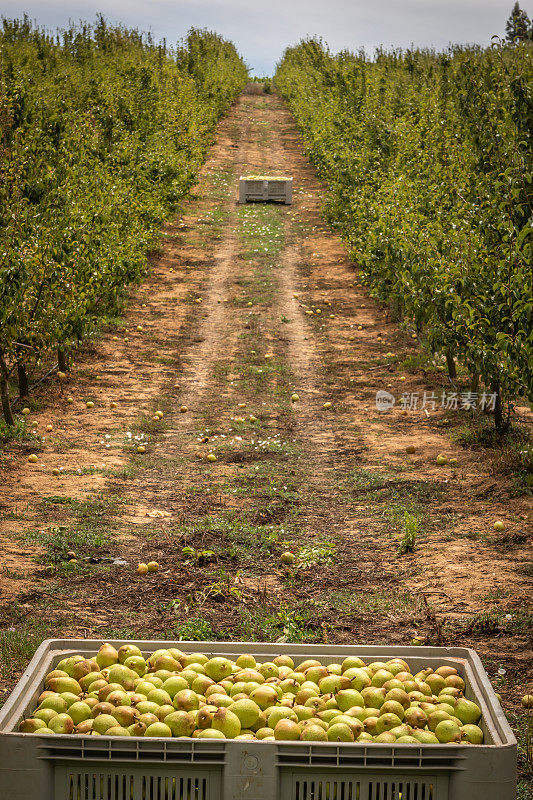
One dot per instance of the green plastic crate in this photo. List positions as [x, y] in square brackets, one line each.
[74, 767]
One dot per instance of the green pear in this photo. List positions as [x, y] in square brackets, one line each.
[210, 733]
[217, 668]
[247, 711]
[56, 673]
[118, 673]
[31, 725]
[386, 722]
[347, 698]
[160, 697]
[67, 664]
[158, 729]
[227, 722]
[392, 707]
[106, 656]
[148, 718]
[102, 723]
[425, 737]
[181, 723]
[472, 734]
[117, 730]
[313, 733]
[352, 662]
[446, 731]
[468, 712]
[85, 728]
[62, 723]
[79, 712]
[102, 708]
[385, 738]
[137, 664]
[125, 715]
[185, 700]
[277, 713]
[138, 728]
[85, 667]
[65, 685]
[287, 730]
[127, 650]
[55, 703]
[245, 660]
[46, 714]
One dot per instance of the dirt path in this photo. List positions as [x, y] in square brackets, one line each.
[245, 307]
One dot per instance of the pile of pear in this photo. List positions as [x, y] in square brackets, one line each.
[172, 693]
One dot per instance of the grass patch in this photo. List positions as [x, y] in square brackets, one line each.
[18, 643]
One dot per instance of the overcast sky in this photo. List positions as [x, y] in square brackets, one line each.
[262, 30]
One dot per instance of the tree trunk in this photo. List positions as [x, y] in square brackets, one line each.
[4, 392]
[498, 411]
[24, 387]
[450, 361]
[474, 383]
[62, 360]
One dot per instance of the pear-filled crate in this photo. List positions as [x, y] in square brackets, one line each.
[265, 188]
[161, 720]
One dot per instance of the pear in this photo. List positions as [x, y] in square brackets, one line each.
[247, 711]
[264, 696]
[472, 734]
[415, 717]
[46, 714]
[31, 725]
[65, 685]
[468, 712]
[210, 733]
[425, 737]
[435, 717]
[106, 656]
[201, 684]
[79, 712]
[226, 722]
[85, 727]
[158, 729]
[283, 661]
[118, 673]
[385, 738]
[165, 661]
[347, 698]
[204, 717]
[245, 660]
[56, 673]
[287, 730]
[86, 681]
[125, 715]
[399, 696]
[67, 664]
[193, 658]
[106, 690]
[146, 707]
[117, 730]
[217, 668]
[148, 719]
[102, 723]
[316, 673]
[118, 698]
[137, 664]
[69, 698]
[55, 703]
[127, 650]
[181, 723]
[387, 721]
[185, 700]
[84, 667]
[248, 675]
[355, 725]
[102, 708]
[277, 713]
[62, 723]
[392, 707]
[358, 677]
[137, 729]
[163, 711]
[373, 696]
[313, 733]
[448, 731]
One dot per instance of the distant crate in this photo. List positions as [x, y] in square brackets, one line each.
[262, 188]
[73, 767]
